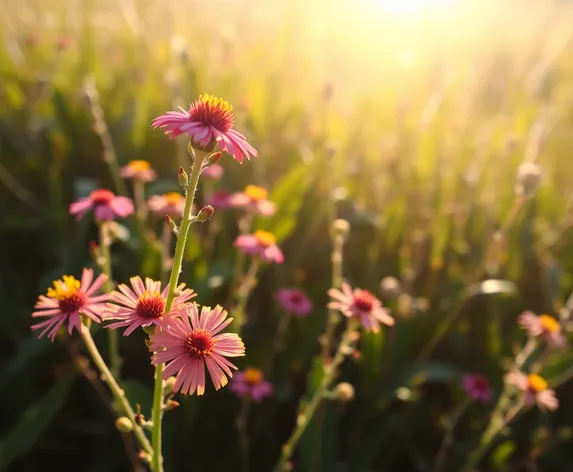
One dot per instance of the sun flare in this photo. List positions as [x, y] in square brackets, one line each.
[408, 7]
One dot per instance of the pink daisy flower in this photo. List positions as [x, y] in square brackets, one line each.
[262, 244]
[294, 301]
[105, 203]
[253, 199]
[68, 300]
[142, 305]
[476, 386]
[138, 170]
[214, 171]
[535, 389]
[191, 342]
[209, 124]
[251, 383]
[361, 304]
[171, 203]
[543, 326]
[220, 200]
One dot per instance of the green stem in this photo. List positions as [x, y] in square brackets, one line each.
[348, 339]
[105, 242]
[243, 293]
[117, 392]
[449, 436]
[187, 219]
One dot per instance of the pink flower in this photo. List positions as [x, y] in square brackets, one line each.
[262, 244]
[543, 326]
[361, 304]
[251, 383]
[144, 305]
[214, 171]
[209, 124]
[294, 301]
[138, 170]
[191, 342]
[476, 387]
[106, 205]
[171, 203]
[220, 200]
[67, 300]
[535, 389]
[253, 199]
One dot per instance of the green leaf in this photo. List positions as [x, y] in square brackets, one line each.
[501, 454]
[33, 423]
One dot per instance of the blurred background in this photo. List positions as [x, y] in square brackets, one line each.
[408, 118]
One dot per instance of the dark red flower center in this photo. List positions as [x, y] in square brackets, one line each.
[102, 197]
[150, 305]
[296, 297]
[212, 111]
[200, 343]
[364, 300]
[72, 303]
[480, 383]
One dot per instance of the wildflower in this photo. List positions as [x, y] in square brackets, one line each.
[535, 389]
[543, 326]
[253, 199]
[191, 342]
[67, 300]
[143, 304]
[214, 171]
[105, 203]
[251, 383]
[171, 203]
[262, 244]
[476, 386]
[294, 301]
[208, 123]
[220, 200]
[138, 170]
[361, 304]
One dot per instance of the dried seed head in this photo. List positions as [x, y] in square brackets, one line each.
[528, 179]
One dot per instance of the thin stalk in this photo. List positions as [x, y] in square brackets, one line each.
[449, 436]
[243, 293]
[139, 199]
[243, 434]
[277, 345]
[117, 392]
[166, 236]
[187, 219]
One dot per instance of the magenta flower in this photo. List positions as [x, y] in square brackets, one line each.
[171, 203]
[138, 170]
[143, 305]
[251, 383]
[220, 200]
[214, 171]
[105, 203]
[209, 124]
[476, 386]
[253, 199]
[294, 301]
[535, 389]
[262, 244]
[191, 342]
[360, 304]
[543, 326]
[67, 300]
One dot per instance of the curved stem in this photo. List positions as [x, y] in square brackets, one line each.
[157, 413]
[116, 390]
[243, 293]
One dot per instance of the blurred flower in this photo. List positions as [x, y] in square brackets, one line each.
[63, 43]
[138, 170]
[361, 304]
[144, 305]
[67, 300]
[294, 301]
[105, 203]
[208, 123]
[528, 179]
[214, 171]
[171, 203]
[192, 341]
[476, 386]
[253, 199]
[390, 286]
[535, 389]
[262, 244]
[251, 383]
[220, 200]
[542, 326]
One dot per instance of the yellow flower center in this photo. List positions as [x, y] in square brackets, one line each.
[265, 238]
[256, 193]
[139, 166]
[537, 383]
[173, 198]
[549, 324]
[215, 102]
[253, 376]
[64, 289]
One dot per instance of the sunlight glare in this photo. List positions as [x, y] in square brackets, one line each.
[407, 7]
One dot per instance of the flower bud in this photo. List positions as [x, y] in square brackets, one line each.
[183, 177]
[206, 212]
[344, 391]
[168, 385]
[144, 456]
[528, 179]
[340, 228]
[171, 224]
[213, 159]
[390, 287]
[139, 419]
[124, 424]
[171, 405]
